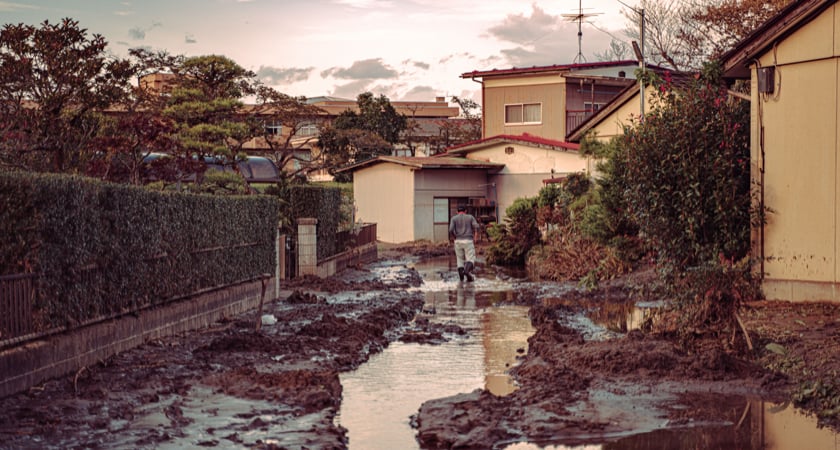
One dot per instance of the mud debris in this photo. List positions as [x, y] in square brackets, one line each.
[232, 386]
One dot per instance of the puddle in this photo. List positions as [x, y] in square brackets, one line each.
[757, 425]
[623, 317]
[380, 397]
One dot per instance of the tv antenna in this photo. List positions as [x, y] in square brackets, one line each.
[579, 19]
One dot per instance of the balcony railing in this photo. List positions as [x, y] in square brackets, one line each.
[575, 117]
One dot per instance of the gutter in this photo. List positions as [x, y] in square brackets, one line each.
[483, 124]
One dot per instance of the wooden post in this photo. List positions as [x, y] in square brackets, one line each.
[264, 281]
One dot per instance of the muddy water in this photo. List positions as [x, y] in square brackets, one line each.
[381, 396]
[762, 426]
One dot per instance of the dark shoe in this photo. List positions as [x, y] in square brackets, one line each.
[468, 271]
[461, 273]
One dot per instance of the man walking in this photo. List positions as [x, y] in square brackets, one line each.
[463, 230]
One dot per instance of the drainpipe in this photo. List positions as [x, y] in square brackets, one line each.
[483, 125]
[761, 170]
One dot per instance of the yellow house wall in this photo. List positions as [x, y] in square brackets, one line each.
[384, 195]
[789, 428]
[550, 91]
[614, 124]
[525, 169]
[801, 133]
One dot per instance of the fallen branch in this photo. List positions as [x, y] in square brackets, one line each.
[263, 280]
[76, 379]
[744, 329]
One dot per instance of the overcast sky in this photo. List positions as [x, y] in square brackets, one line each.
[404, 49]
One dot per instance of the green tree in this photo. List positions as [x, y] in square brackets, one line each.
[685, 34]
[356, 136]
[139, 127]
[343, 146]
[54, 82]
[376, 115]
[465, 128]
[205, 105]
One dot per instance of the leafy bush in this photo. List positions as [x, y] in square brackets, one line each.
[606, 217]
[103, 249]
[686, 168]
[512, 240]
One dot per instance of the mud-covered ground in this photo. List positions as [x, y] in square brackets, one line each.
[233, 386]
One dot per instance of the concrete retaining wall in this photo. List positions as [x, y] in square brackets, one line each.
[29, 364]
[335, 264]
[63, 353]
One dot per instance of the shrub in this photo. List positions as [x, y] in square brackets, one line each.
[103, 248]
[512, 240]
[687, 172]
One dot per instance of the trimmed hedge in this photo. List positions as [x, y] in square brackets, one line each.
[322, 203]
[102, 249]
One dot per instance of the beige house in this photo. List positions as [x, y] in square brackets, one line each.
[412, 198]
[548, 101]
[793, 66]
[527, 114]
[528, 161]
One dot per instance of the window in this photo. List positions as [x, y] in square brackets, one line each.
[523, 113]
[592, 107]
[273, 128]
[441, 210]
[308, 129]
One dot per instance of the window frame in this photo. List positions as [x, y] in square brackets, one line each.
[522, 107]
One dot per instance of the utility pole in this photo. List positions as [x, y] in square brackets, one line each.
[642, 63]
[639, 49]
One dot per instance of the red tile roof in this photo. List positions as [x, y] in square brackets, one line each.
[541, 69]
[522, 138]
[446, 162]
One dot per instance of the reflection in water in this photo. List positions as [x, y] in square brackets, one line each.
[733, 422]
[621, 317]
[380, 397]
[759, 426]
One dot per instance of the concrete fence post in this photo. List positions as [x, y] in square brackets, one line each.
[307, 248]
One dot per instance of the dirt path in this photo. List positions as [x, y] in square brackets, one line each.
[233, 386]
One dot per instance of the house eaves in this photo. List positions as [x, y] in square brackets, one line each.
[736, 62]
[430, 163]
[557, 68]
[524, 139]
[601, 79]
